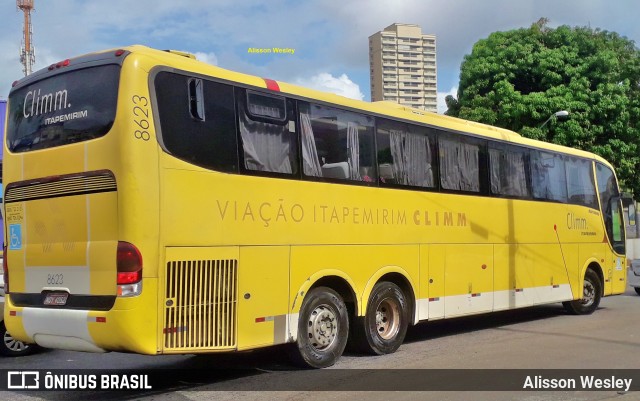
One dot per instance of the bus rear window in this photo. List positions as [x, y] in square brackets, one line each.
[72, 107]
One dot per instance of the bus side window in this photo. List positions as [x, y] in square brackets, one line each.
[580, 183]
[337, 144]
[268, 139]
[196, 99]
[508, 170]
[459, 163]
[183, 102]
[405, 154]
[548, 176]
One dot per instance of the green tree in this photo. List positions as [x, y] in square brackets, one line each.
[517, 79]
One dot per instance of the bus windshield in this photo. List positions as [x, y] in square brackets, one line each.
[75, 106]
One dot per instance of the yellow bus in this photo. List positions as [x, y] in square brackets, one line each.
[159, 205]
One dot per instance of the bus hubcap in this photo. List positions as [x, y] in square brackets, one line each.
[322, 327]
[13, 344]
[589, 293]
[388, 318]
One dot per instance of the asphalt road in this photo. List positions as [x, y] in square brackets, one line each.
[536, 339]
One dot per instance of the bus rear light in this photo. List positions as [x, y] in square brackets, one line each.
[59, 64]
[5, 269]
[129, 277]
[129, 265]
[129, 290]
[119, 53]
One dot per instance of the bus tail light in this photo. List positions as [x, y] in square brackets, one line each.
[129, 262]
[5, 269]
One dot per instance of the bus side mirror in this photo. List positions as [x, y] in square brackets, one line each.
[630, 205]
[627, 199]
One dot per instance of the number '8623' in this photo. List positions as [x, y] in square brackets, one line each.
[55, 279]
[141, 117]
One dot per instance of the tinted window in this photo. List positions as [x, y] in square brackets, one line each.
[405, 154]
[580, 186]
[337, 144]
[71, 107]
[262, 105]
[459, 163]
[508, 170]
[548, 177]
[267, 132]
[197, 118]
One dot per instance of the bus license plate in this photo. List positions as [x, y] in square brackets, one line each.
[56, 299]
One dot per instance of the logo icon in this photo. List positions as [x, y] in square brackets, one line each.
[21, 380]
[15, 237]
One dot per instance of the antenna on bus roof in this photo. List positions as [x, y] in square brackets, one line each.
[183, 54]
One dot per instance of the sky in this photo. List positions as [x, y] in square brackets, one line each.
[329, 38]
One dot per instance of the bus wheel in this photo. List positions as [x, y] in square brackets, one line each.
[637, 290]
[323, 329]
[382, 329]
[12, 347]
[591, 294]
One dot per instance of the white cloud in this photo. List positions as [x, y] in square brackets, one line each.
[442, 105]
[209, 58]
[341, 85]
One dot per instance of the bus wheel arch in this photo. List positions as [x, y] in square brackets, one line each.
[388, 312]
[323, 322]
[598, 270]
[592, 292]
[333, 279]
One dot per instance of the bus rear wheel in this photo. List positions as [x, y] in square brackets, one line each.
[9, 346]
[384, 326]
[323, 329]
[591, 295]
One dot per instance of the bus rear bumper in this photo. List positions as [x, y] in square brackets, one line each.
[130, 326]
[60, 329]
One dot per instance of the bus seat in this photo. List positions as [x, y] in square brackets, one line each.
[336, 170]
[386, 171]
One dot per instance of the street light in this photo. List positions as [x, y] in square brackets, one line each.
[557, 114]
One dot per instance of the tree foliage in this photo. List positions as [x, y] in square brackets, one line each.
[517, 79]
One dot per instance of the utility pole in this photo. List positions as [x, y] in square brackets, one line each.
[27, 55]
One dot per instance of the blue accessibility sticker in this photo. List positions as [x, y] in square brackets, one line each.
[15, 237]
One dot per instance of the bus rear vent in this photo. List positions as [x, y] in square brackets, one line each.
[201, 305]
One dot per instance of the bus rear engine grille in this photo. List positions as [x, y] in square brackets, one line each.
[59, 186]
[201, 305]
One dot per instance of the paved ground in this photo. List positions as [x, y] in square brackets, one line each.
[538, 338]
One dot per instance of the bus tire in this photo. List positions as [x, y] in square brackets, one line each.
[12, 347]
[384, 326]
[591, 295]
[323, 329]
[637, 290]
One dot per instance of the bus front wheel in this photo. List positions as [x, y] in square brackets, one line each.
[591, 294]
[323, 329]
[384, 326]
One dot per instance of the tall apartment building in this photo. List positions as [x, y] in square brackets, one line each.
[403, 66]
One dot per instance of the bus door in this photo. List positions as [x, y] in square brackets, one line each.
[614, 265]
